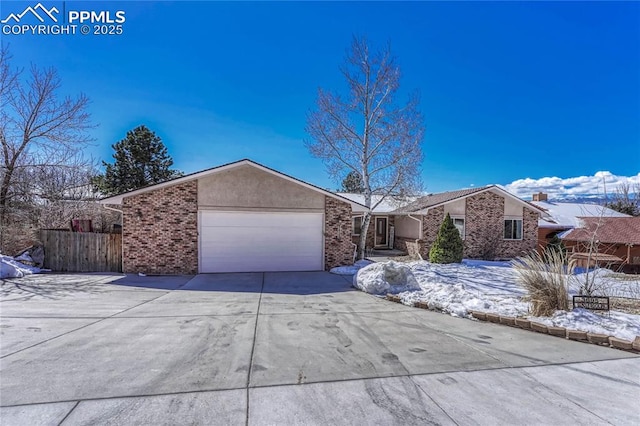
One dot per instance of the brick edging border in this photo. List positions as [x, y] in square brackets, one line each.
[525, 324]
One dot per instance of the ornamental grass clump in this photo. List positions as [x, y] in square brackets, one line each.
[546, 279]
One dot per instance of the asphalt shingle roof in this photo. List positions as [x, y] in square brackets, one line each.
[439, 198]
[608, 230]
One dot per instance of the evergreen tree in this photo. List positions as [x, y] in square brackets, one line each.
[448, 245]
[353, 183]
[141, 159]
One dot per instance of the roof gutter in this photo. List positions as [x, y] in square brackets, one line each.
[111, 208]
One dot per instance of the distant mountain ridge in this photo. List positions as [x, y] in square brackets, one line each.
[582, 198]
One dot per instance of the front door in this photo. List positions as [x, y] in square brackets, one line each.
[381, 232]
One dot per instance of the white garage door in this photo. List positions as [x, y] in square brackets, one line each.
[253, 242]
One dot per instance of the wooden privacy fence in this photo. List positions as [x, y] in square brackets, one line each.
[66, 251]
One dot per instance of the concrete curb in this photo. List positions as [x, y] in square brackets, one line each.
[510, 321]
[539, 328]
[525, 324]
[421, 305]
[493, 318]
[393, 298]
[580, 336]
[557, 331]
[576, 335]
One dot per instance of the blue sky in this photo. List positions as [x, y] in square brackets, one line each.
[509, 90]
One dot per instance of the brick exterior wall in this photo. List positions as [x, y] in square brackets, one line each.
[484, 225]
[484, 229]
[529, 242]
[430, 225]
[411, 246]
[338, 249]
[400, 243]
[160, 231]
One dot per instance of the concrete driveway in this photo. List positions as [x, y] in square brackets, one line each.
[283, 348]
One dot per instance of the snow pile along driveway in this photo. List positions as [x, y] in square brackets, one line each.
[387, 277]
[492, 287]
[351, 269]
[12, 268]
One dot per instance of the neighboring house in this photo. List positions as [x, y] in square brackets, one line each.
[610, 239]
[560, 216]
[493, 223]
[238, 217]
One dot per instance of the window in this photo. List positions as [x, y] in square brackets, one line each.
[513, 229]
[459, 224]
[357, 223]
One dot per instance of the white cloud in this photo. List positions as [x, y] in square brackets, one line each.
[580, 186]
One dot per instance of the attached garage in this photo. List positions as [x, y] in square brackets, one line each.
[243, 241]
[239, 217]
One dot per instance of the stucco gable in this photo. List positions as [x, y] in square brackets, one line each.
[117, 199]
[249, 187]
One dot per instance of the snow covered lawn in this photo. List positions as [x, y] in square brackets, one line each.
[492, 287]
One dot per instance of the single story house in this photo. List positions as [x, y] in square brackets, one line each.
[612, 239]
[380, 234]
[559, 216]
[493, 223]
[239, 217]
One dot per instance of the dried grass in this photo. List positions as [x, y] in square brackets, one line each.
[546, 279]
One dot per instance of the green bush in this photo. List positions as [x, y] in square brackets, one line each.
[448, 245]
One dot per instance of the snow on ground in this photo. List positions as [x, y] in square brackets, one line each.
[351, 269]
[492, 287]
[11, 268]
[472, 285]
[386, 277]
[24, 257]
[618, 324]
[607, 283]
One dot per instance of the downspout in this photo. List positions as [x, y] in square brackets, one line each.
[116, 210]
[420, 222]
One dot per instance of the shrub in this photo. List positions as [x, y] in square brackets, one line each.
[555, 245]
[448, 245]
[546, 279]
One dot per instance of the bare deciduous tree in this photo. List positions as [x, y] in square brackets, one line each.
[367, 131]
[626, 199]
[41, 136]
